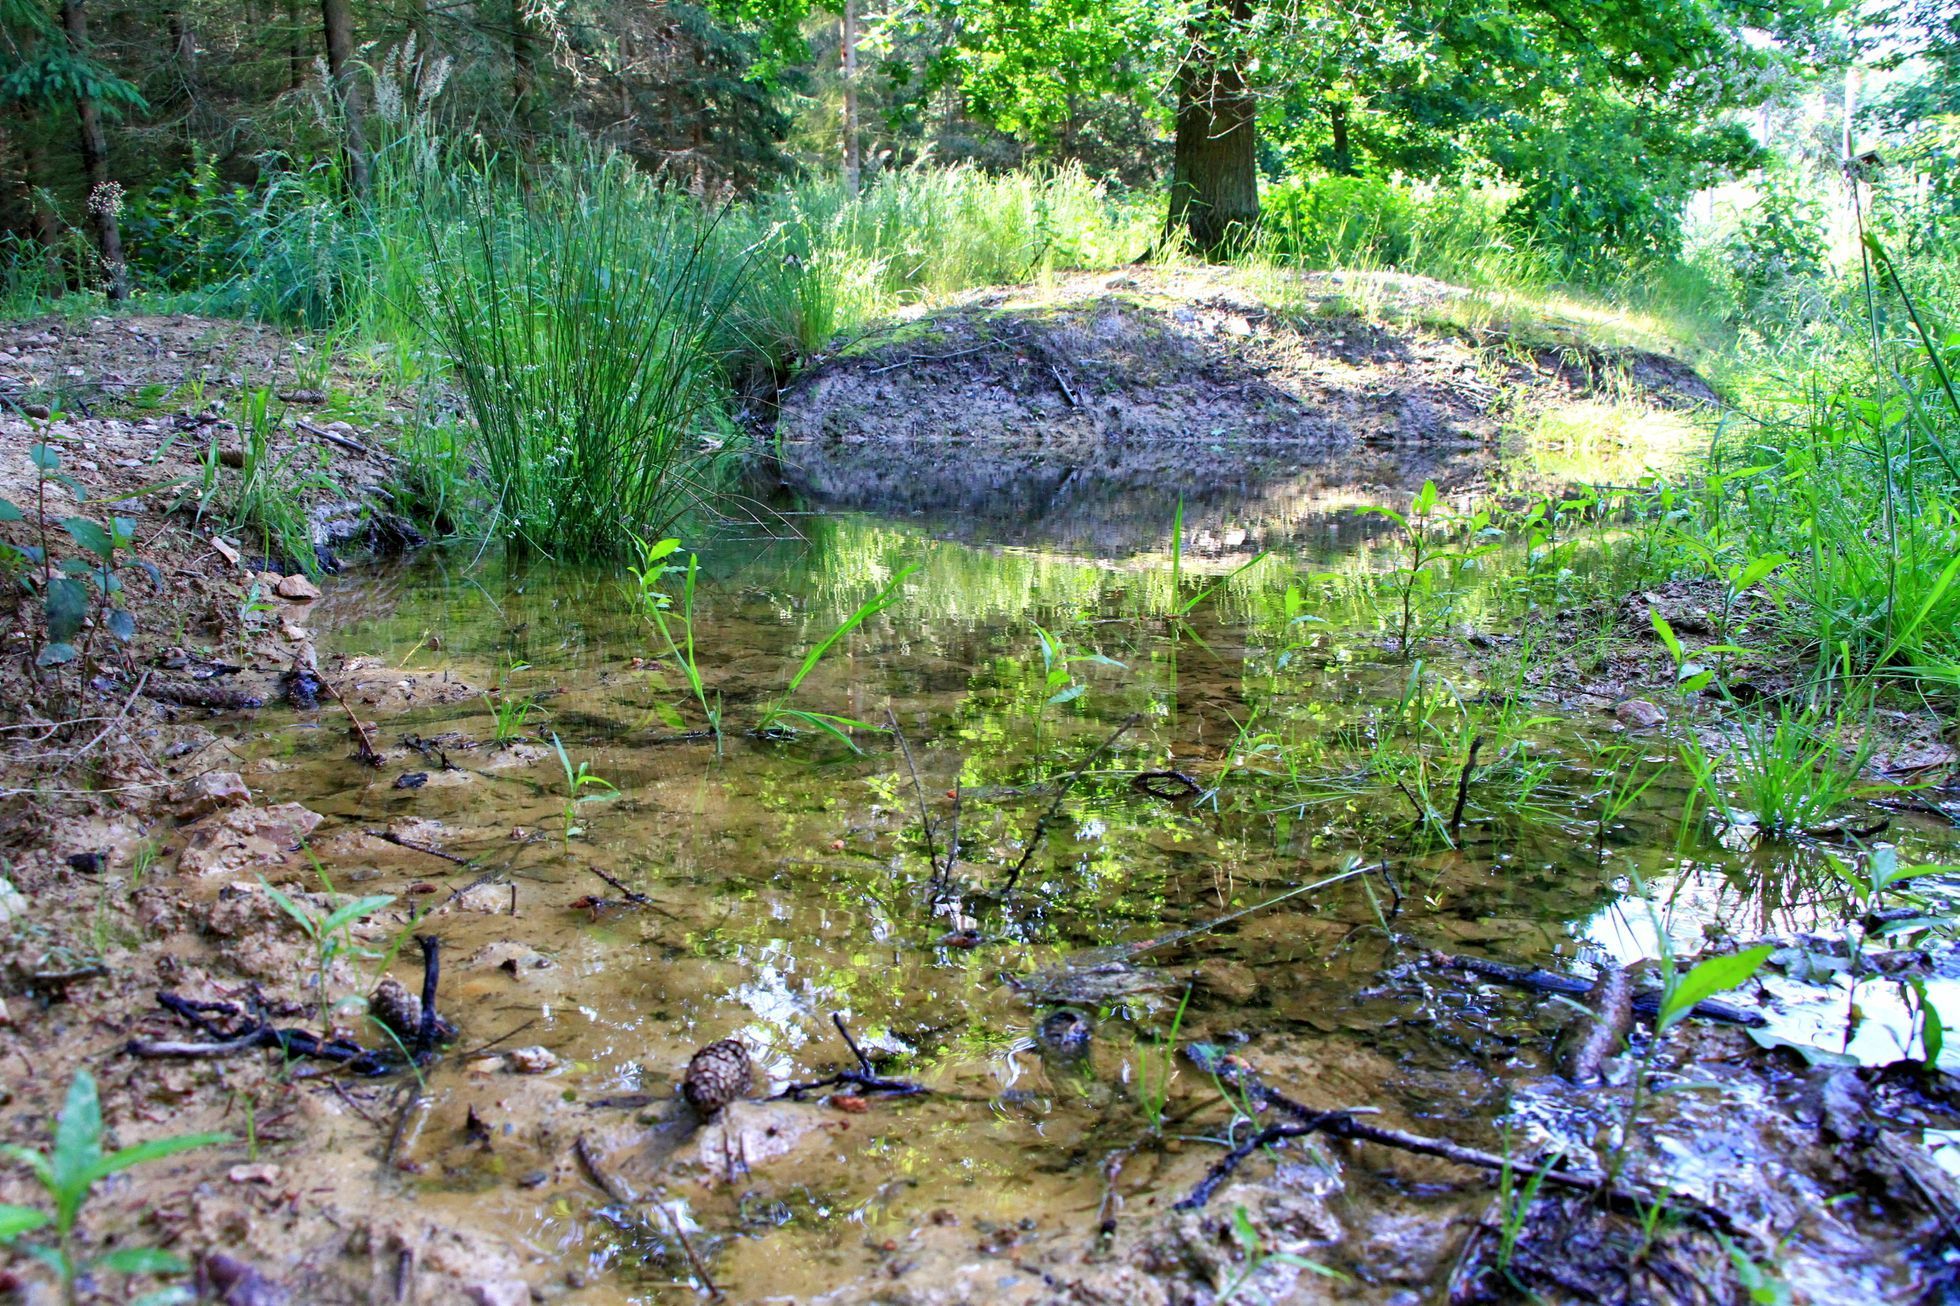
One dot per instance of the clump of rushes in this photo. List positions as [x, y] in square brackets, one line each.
[581, 322]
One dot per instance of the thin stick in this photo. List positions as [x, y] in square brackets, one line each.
[925, 812]
[369, 753]
[387, 836]
[1463, 786]
[101, 734]
[425, 1035]
[622, 1195]
[1068, 782]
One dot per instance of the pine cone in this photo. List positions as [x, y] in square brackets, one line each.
[397, 1008]
[717, 1075]
[401, 1011]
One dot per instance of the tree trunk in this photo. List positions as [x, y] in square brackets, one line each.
[853, 163]
[295, 51]
[104, 199]
[337, 16]
[1337, 118]
[1214, 172]
[47, 227]
[523, 71]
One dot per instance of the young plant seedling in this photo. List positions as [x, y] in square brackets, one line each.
[67, 1175]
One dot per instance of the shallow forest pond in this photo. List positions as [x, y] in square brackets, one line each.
[1283, 738]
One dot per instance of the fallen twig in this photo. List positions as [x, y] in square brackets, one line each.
[1166, 786]
[388, 836]
[622, 1195]
[865, 1077]
[1617, 1193]
[1068, 782]
[103, 733]
[363, 738]
[925, 811]
[1550, 981]
[1463, 786]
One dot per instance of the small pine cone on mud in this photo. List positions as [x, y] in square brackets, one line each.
[717, 1075]
[401, 1011]
[394, 1006]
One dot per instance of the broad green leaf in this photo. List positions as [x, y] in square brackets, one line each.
[17, 1220]
[156, 1149]
[1425, 499]
[121, 624]
[353, 911]
[90, 536]
[1715, 975]
[65, 607]
[140, 1260]
[1668, 637]
[46, 457]
[33, 1160]
[77, 1147]
[1758, 569]
[9, 512]
[1068, 695]
[57, 654]
[293, 909]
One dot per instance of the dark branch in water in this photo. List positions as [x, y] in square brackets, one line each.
[1550, 981]
[1463, 787]
[1068, 782]
[865, 1078]
[1166, 786]
[1616, 1193]
[925, 810]
[425, 1034]
[388, 836]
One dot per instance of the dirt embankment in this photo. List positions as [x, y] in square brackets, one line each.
[130, 849]
[1029, 400]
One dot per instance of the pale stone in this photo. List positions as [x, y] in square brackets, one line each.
[298, 588]
[213, 791]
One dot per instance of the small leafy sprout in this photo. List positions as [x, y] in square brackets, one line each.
[1182, 607]
[1257, 1257]
[330, 934]
[68, 1175]
[509, 712]
[1515, 1203]
[1680, 993]
[576, 783]
[773, 718]
[1157, 1068]
[1059, 683]
[658, 606]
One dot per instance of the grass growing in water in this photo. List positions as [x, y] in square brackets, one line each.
[582, 324]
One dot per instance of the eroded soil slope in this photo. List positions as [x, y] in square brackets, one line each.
[1022, 397]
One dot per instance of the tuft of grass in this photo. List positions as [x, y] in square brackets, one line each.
[581, 323]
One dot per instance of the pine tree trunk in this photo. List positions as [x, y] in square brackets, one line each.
[104, 200]
[47, 226]
[523, 71]
[1337, 119]
[337, 17]
[853, 163]
[1214, 172]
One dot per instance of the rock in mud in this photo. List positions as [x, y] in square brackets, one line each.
[297, 588]
[231, 841]
[213, 791]
[749, 1134]
[534, 1060]
[1599, 1032]
[717, 1075]
[1639, 714]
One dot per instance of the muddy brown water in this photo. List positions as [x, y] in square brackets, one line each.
[787, 880]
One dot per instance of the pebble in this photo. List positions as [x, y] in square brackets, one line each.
[1639, 714]
[297, 588]
[533, 1060]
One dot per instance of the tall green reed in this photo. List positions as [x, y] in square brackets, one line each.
[583, 323]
